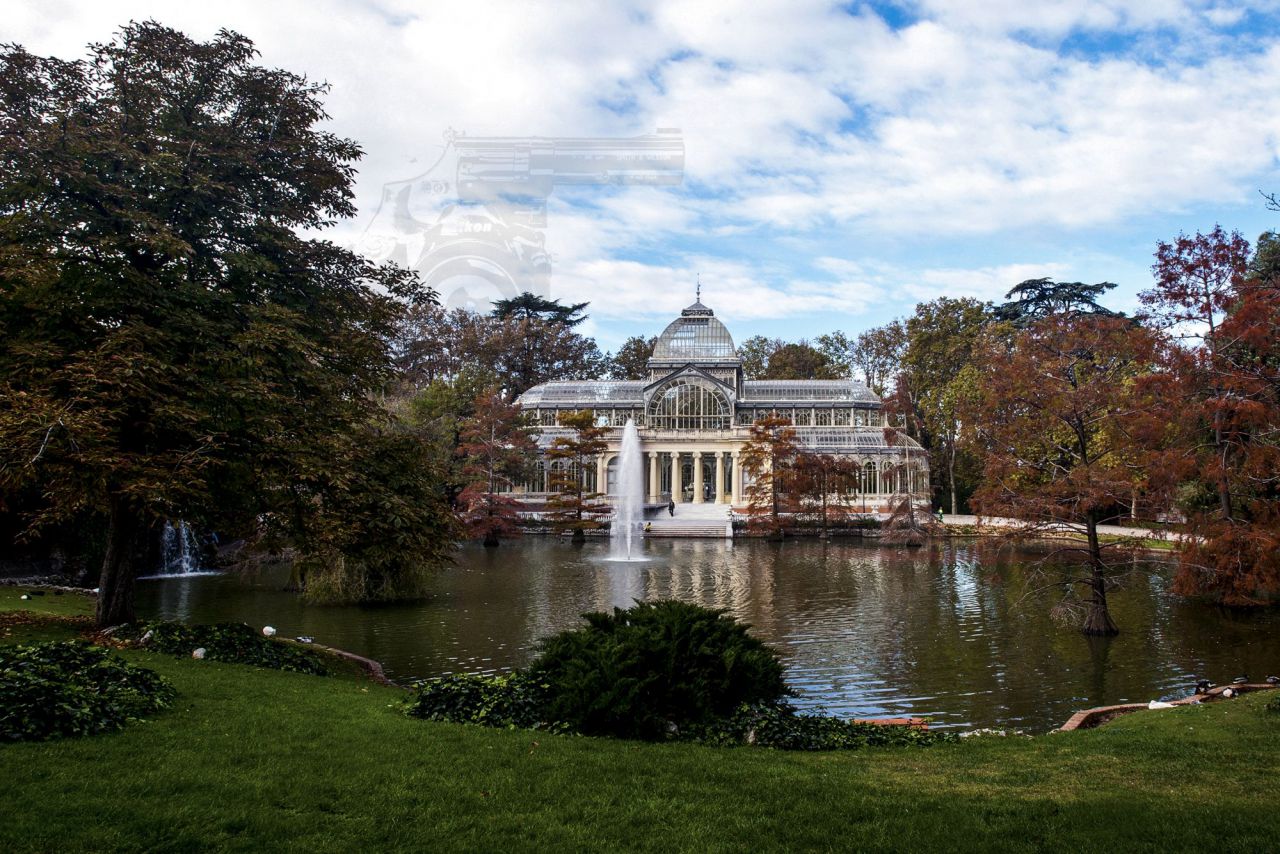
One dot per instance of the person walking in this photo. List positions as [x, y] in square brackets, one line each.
[671, 507]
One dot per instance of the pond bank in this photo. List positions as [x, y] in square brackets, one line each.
[256, 759]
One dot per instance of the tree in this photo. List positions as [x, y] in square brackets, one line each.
[520, 350]
[1051, 414]
[799, 361]
[755, 352]
[941, 336]
[769, 460]
[827, 485]
[1198, 281]
[877, 353]
[573, 508]
[631, 362]
[497, 452]
[1218, 449]
[838, 350]
[171, 346]
[379, 525]
[1035, 299]
[529, 307]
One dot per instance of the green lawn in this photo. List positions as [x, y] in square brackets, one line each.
[262, 760]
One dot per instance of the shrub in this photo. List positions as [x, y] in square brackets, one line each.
[513, 700]
[230, 642]
[653, 670]
[1273, 705]
[68, 688]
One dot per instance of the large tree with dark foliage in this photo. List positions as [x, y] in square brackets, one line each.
[527, 306]
[1035, 299]
[631, 362]
[937, 371]
[171, 346]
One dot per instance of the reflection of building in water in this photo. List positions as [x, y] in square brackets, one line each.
[694, 411]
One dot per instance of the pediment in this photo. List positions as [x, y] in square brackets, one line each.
[690, 369]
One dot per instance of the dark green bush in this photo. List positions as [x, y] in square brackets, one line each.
[513, 700]
[653, 670]
[68, 688]
[230, 642]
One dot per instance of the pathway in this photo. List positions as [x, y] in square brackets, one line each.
[961, 520]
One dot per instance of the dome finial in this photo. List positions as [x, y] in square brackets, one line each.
[697, 296]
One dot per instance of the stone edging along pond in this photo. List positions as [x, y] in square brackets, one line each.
[1090, 718]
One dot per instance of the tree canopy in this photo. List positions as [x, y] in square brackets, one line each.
[1034, 299]
[171, 346]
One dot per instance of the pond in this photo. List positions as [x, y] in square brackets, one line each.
[864, 631]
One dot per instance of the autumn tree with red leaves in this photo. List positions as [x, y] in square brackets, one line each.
[769, 460]
[497, 453]
[1197, 283]
[1222, 466]
[828, 485]
[1050, 415]
[574, 508]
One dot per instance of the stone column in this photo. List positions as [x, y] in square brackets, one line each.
[602, 474]
[697, 477]
[719, 477]
[655, 482]
[677, 488]
[736, 497]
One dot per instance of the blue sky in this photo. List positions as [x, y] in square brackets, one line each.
[843, 161]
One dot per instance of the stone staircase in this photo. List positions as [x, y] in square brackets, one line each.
[693, 520]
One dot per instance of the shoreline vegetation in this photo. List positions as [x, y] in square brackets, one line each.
[248, 757]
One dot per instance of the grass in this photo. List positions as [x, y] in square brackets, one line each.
[262, 760]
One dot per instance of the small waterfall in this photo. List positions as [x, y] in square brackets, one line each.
[179, 554]
[628, 503]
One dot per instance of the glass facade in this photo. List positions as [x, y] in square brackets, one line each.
[697, 402]
[687, 404]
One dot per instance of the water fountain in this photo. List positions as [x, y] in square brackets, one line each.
[628, 505]
[179, 553]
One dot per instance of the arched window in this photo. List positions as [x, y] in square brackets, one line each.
[688, 404]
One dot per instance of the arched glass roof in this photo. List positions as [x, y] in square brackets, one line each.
[695, 335]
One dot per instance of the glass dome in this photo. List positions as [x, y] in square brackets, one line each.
[695, 335]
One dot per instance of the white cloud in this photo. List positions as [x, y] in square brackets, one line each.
[800, 120]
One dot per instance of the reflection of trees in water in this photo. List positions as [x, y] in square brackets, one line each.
[947, 630]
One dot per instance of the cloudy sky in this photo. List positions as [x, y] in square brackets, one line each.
[841, 161]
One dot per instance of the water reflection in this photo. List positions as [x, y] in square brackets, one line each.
[940, 631]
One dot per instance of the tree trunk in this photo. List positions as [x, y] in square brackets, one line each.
[119, 569]
[951, 477]
[1224, 488]
[491, 541]
[1098, 619]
